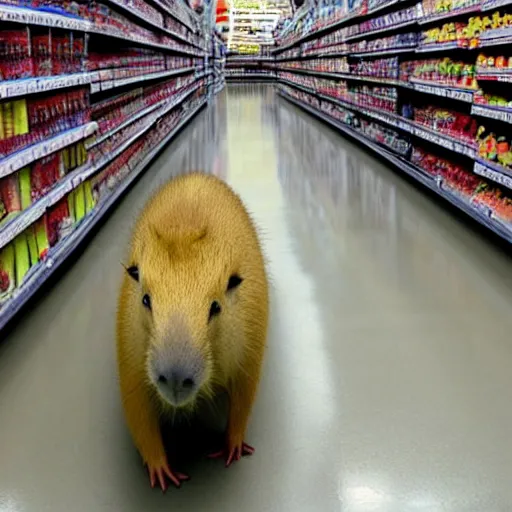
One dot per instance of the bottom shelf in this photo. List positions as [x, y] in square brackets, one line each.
[251, 76]
[435, 185]
[42, 272]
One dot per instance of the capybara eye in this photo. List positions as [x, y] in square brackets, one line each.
[146, 300]
[214, 309]
[133, 272]
[234, 281]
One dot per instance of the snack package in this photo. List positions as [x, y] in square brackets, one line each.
[80, 209]
[7, 271]
[41, 237]
[22, 256]
[58, 222]
[32, 245]
[25, 187]
[10, 193]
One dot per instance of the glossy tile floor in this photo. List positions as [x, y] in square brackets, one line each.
[388, 379]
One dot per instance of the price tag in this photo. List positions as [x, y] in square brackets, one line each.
[445, 92]
[433, 138]
[32, 17]
[493, 175]
[405, 126]
[459, 148]
[492, 113]
[15, 89]
[460, 95]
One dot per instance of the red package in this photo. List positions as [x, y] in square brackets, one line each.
[58, 221]
[15, 62]
[41, 54]
[61, 54]
[9, 190]
[45, 173]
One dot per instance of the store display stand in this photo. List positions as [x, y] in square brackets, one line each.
[416, 87]
[88, 102]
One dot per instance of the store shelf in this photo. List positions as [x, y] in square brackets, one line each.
[133, 12]
[433, 18]
[39, 274]
[112, 155]
[385, 117]
[495, 37]
[312, 72]
[494, 172]
[121, 82]
[172, 13]
[399, 122]
[388, 51]
[445, 91]
[138, 115]
[482, 216]
[388, 118]
[488, 5]
[465, 95]
[182, 38]
[16, 225]
[383, 6]
[249, 59]
[321, 55]
[314, 34]
[245, 76]
[112, 32]
[439, 47]
[35, 85]
[345, 76]
[27, 16]
[499, 113]
[382, 30]
[494, 75]
[44, 148]
[443, 140]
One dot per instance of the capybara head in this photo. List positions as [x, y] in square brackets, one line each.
[187, 286]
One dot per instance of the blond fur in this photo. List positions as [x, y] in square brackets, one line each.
[189, 239]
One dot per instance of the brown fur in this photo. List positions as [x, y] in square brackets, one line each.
[189, 239]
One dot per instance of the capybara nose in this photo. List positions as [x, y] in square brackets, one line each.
[178, 383]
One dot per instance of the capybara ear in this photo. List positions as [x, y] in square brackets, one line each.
[234, 281]
[133, 272]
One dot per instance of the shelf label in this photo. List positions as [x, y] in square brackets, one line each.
[28, 16]
[455, 94]
[453, 145]
[493, 175]
[494, 4]
[31, 154]
[491, 113]
[403, 125]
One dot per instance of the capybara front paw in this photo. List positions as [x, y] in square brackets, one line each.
[233, 454]
[160, 472]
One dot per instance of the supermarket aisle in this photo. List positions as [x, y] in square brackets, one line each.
[388, 381]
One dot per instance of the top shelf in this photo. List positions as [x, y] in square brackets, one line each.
[152, 23]
[346, 19]
[320, 31]
[27, 16]
[419, 19]
[160, 4]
